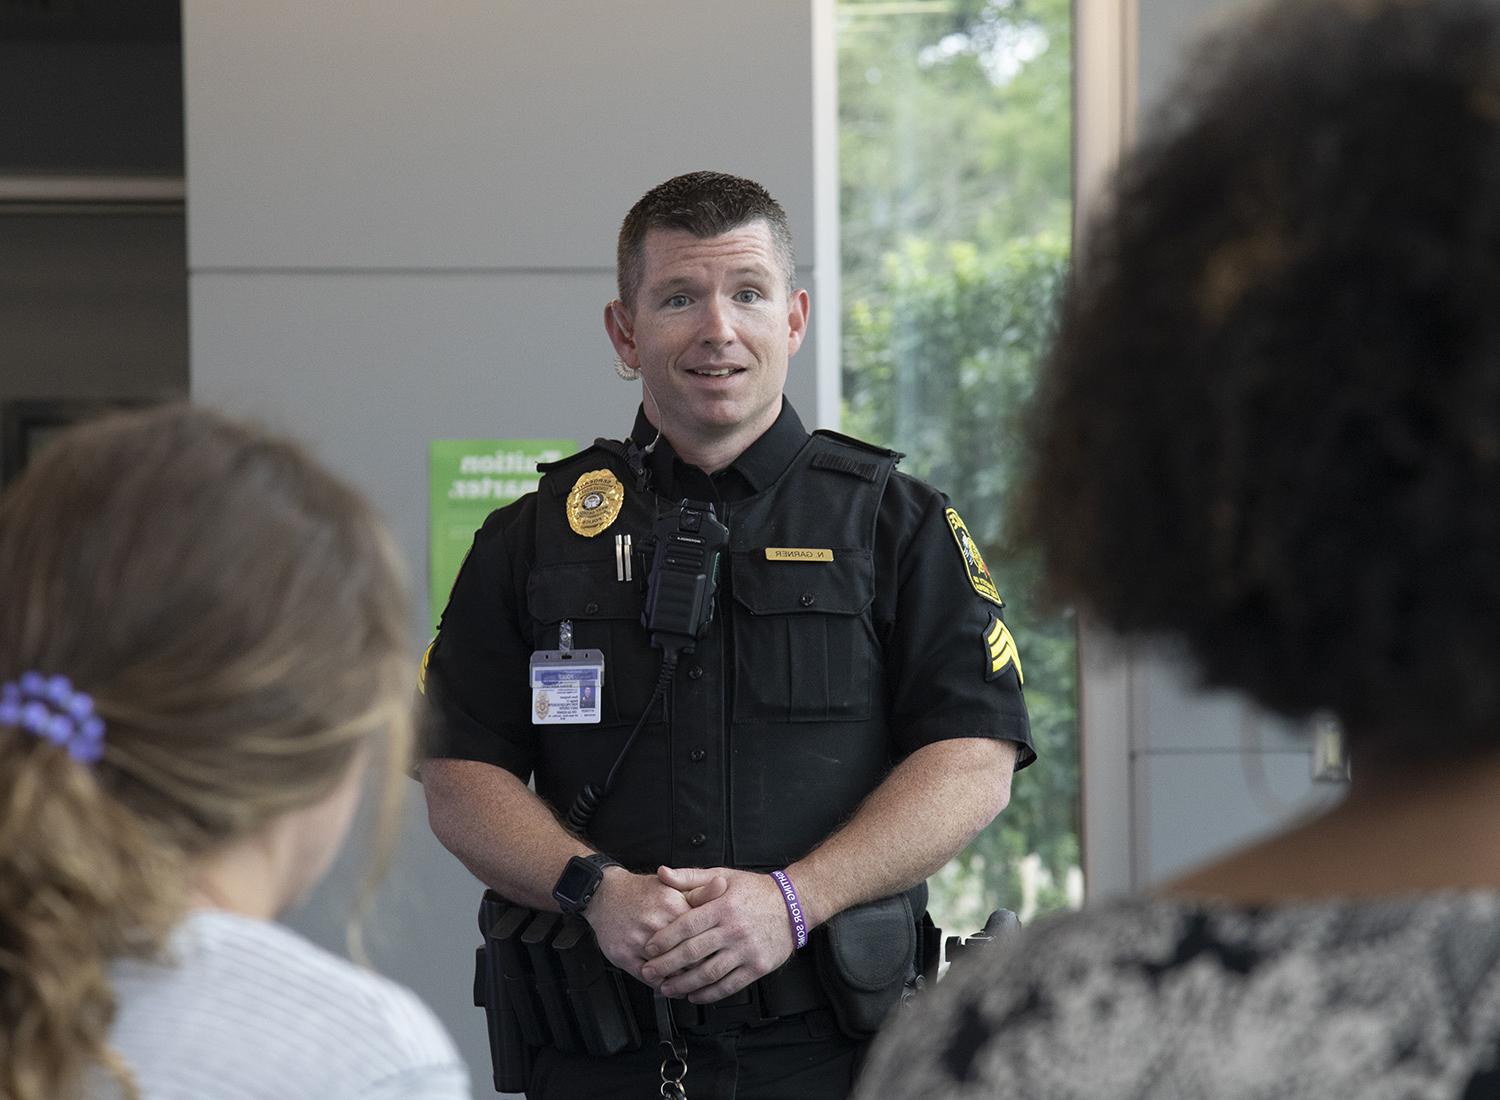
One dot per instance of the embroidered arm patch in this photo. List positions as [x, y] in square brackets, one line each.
[422, 672]
[979, 574]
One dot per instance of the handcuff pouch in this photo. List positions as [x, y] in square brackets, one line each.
[865, 956]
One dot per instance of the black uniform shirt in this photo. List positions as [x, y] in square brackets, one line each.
[931, 622]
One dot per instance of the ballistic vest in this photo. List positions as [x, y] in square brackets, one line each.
[775, 726]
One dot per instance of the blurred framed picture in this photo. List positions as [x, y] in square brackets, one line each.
[28, 424]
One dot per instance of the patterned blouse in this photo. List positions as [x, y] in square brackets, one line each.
[1170, 1000]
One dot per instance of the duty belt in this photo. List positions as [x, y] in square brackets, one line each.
[790, 990]
[543, 981]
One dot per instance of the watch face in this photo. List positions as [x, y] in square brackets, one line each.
[576, 885]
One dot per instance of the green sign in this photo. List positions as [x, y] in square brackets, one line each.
[468, 479]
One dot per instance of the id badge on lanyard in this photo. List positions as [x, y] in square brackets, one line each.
[566, 684]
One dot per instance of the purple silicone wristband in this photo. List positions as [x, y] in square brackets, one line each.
[793, 907]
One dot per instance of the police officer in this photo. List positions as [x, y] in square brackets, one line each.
[848, 721]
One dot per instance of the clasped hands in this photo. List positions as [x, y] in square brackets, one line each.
[699, 933]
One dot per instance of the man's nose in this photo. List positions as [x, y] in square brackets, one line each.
[717, 327]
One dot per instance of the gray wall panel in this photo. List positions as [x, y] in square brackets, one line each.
[472, 133]
[1199, 805]
[1172, 712]
[1168, 28]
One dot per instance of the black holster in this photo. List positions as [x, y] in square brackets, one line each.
[542, 981]
[866, 958]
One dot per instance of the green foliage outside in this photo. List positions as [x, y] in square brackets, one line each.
[956, 205]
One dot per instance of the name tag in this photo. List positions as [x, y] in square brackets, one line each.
[797, 553]
[565, 686]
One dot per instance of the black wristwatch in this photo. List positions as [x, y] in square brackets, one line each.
[580, 879]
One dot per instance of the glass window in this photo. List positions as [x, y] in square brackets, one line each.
[956, 206]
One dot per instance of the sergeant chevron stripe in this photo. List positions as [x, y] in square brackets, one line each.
[1000, 648]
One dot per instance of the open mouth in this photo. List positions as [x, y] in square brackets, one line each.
[716, 372]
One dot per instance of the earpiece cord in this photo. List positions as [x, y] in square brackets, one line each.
[652, 445]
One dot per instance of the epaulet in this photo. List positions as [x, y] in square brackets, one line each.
[599, 452]
[850, 441]
[601, 445]
[841, 461]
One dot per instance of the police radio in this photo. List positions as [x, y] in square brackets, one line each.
[684, 576]
[679, 606]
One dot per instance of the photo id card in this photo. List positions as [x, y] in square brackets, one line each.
[565, 686]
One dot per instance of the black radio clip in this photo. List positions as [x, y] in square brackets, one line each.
[684, 575]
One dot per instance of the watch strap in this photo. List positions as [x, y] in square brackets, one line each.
[599, 862]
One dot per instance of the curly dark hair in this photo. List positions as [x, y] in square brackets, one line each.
[1271, 424]
[706, 204]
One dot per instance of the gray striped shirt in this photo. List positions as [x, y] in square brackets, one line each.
[245, 1009]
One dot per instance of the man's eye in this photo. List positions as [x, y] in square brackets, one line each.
[677, 301]
[748, 296]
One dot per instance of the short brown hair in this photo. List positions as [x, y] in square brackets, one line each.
[706, 204]
[238, 616]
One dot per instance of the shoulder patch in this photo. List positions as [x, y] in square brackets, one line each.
[979, 574]
[422, 672]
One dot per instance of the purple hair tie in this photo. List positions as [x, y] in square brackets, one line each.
[48, 707]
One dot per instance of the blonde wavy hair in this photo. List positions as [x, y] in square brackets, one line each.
[239, 617]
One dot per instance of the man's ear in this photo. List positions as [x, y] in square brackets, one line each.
[621, 333]
[796, 320]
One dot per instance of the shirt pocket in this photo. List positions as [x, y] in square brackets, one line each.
[803, 643]
[606, 615]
